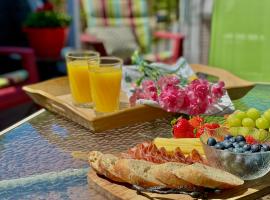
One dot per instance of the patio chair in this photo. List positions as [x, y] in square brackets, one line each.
[11, 94]
[240, 39]
[125, 26]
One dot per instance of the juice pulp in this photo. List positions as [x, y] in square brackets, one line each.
[79, 81]
[106, 85]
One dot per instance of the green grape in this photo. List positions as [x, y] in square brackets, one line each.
[243, 131]
[240, 114]
[234, 131]
[260, 135]
[248, 122]
[262, 123]
[234, 121]
[266, 115]
[253, 113]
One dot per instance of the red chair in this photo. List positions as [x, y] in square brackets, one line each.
[14, 95]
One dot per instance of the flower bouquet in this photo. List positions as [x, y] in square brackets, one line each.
[176, 89]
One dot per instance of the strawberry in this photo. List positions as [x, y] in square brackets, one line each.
[196, 121]
[200, 131]
[250, 139]
[211, 125]
[182, 129]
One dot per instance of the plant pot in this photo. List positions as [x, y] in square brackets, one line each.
[47, 42]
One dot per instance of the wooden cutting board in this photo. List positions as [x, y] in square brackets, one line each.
[249, 191]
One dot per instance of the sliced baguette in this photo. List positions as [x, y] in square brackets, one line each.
[94, 158]
[106, 164]
[164, 173]
[136, 172]
[205, 176]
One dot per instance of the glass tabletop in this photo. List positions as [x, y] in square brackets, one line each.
[36, 161]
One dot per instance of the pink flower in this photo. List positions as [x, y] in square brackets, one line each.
[167, 81]
[171, 99]
[217, 90]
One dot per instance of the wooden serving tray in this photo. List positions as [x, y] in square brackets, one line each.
[114, 191]
[55, 95]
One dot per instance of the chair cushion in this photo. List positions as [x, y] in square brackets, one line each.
[13, 78]
[113, 39]
[128, 13]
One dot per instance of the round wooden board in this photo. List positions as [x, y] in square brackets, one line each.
[249, 191]
[115, 191]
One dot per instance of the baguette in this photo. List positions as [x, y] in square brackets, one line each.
[164, 173]
[205, 176]
[94, 158]
[136, 172]
[106, 164]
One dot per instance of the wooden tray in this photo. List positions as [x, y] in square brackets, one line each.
[114, 191]
[55, 95]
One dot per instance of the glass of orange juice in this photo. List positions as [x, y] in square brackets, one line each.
[78, 63]
[106, 84]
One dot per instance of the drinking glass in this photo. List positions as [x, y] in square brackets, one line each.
[78, 63]
[106, 84]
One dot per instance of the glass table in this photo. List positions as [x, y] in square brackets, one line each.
[36, 160]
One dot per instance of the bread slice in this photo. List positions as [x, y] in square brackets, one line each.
[106, 164]
[94, 157]
[164, 173]
[205, 176]
[136, 172]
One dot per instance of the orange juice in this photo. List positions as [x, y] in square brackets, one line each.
[79, 81]
[106, 85]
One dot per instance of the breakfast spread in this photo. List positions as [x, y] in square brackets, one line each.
[200, 155]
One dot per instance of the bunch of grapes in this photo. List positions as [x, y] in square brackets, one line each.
[192, 99]
[251, 122]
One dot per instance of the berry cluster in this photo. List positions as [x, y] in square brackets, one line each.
[192, 99]
[191, 128]
[237, 144]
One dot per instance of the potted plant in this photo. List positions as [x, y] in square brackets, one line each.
[47, 30]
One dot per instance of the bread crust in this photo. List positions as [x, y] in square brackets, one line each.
[126, 171]
[106, 164]
[94, 157]
[164, 173]
[205, 176]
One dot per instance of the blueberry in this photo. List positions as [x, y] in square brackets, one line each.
[219, 146]
[246, 147]
[240, 138]
[242, 143]
[265, 147]
[211, 141]
[227, 137]
[255, 148]
[238, 150]
[236, 145]
[232, 139]
[227, 144]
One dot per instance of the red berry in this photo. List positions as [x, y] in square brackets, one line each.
[211, 126]
[200, 131]
[196, 121]
[250, 139]
[182, 129]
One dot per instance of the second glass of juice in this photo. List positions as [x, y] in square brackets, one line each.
[78, 63]
[106, 84]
